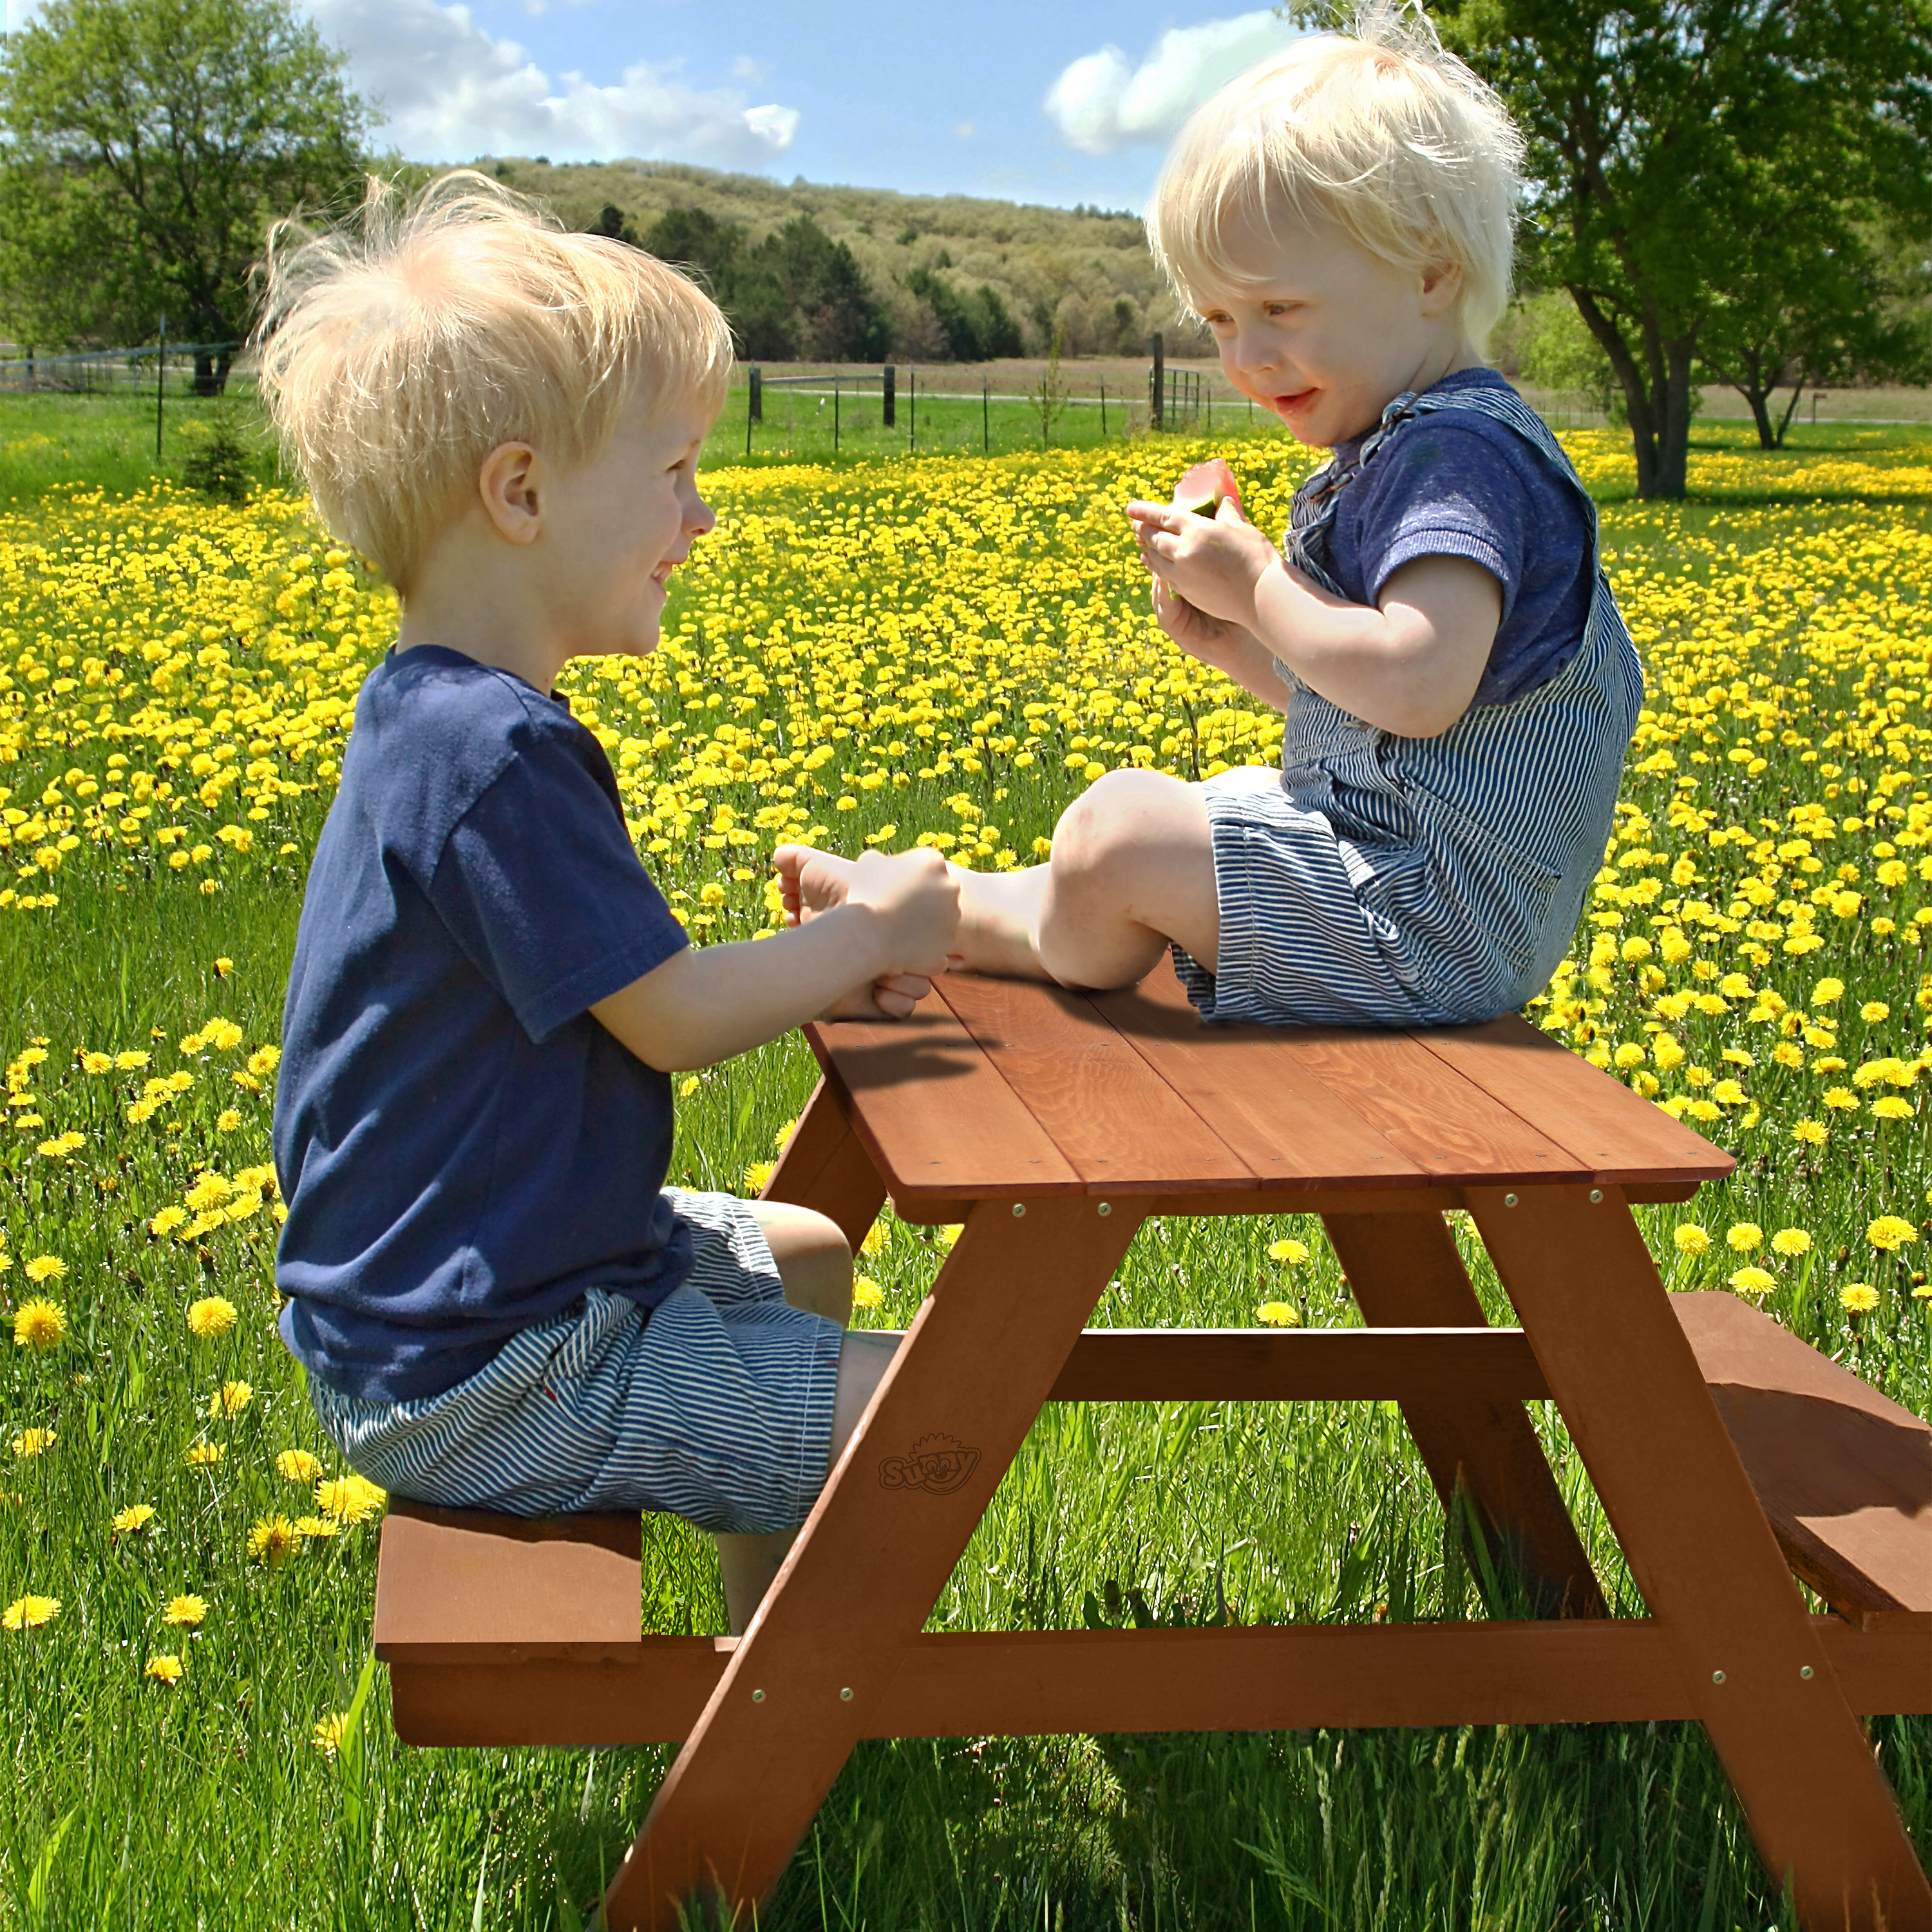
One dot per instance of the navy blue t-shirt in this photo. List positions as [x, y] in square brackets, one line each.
[463, 1148]
[1455, 483]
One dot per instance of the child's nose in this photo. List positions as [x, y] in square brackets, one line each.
[700, 516]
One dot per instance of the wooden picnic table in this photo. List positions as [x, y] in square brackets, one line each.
[1053, 1125]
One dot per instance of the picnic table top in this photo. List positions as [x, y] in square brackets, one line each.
[998, 1087]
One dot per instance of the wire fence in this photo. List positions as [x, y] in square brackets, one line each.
[198, 366]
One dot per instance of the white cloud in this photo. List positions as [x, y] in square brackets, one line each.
[451, 91]
[964, 132]
[1100, 104]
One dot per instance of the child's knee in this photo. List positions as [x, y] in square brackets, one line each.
[815, 1260]
[1109, 830]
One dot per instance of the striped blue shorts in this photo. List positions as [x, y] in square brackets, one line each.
[716, 1405]
[1298, 946]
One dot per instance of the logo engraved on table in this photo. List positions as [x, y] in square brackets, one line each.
[938, 1464]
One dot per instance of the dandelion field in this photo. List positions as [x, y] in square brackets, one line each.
[945, 651]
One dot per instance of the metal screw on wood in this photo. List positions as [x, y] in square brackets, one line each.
[1106, 1207]
[1509, 1200]
[1804, 1671]
[1019, 1208]
[1717, 1677]
[1596, 1194]
[845, 1696]
[758, 1696]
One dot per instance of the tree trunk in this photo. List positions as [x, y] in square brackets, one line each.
[208, 380]
[1659, 409]
[1760, 409]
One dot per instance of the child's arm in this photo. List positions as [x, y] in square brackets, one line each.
[1410, 665]
[706, 1003]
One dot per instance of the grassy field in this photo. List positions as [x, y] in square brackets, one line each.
[882, 651]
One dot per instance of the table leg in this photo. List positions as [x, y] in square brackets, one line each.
[825, 1166]
[1753, 1668]
[873, 1555]
[1406, 1271]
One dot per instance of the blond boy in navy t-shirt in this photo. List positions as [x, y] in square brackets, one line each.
[500, 1304]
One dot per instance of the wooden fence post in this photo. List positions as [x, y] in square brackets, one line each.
[1156, 381]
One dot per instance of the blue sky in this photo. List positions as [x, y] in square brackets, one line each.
[1067, 102]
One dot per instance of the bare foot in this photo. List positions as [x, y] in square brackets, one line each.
[810, 881]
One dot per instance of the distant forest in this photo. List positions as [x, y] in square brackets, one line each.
[862, 275]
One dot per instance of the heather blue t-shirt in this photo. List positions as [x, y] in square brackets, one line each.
[1455, 483]
[463, 1148]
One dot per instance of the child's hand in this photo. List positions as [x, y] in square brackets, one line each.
[1213, 641]
[1214, 562]
[915, 895]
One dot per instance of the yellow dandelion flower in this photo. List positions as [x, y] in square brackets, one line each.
[211, 1316]
[135, 1518]
[1893, 1107]
[1291, 1253]
[1872, 1011]
[45, 1267]
[1791, 1241]
[1753, 1281]
[1858, 1298]
[264, 1060]
[227, 1121]
[1279, 1314]
[231, 1399]
[223, 967]
[876, 1237]
[329, 1732]
[298, 1465]
[164, 1669]
[688, 1086]
[185, 1612]
[167, 1221]
[29, 1612]
[1689, 1239]
[757, 1173]
[205, 1455]
[1626, 1056]
[1810, 1133]
[316, 1526]
[272, 1540]
[1841, 1100]
[34, 1442]
[130, 1062]
[1891, 1232]
[1745, 1236]
[866, 1293]
[210, 1191]
[350, 1499]
[1826, 991]
[39, 1325]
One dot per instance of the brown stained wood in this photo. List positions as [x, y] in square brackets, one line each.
[825, 1165]
[932, 1112]
[1844, 1475]
[1025, 1683]
[1405, 1270]
[1636, 1405]
[885, 1535]
[1488, 1365]
[449, 1578]
[1250, 1081]
[1119, 1124]
[1614, 1135]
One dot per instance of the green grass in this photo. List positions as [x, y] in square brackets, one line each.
[207, 1804]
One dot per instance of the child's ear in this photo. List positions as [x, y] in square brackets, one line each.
[1441, 285]
[507, 483]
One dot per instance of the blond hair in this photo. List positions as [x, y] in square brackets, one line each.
[1383, 133]
[399, 348]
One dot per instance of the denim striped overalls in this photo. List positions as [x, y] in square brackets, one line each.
[1388, 881]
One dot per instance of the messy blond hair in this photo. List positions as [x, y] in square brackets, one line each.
[399, 348]
[1381, 132]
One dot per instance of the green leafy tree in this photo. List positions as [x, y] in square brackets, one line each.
[145, 146]
[1818, 313]
[1675, 145]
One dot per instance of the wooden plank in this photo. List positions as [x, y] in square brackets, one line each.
[1614, 1134]
[933, 1113]
[446, 1579]
[886, 1531]
[1352, 1104]
[1119, 1124]
[1487, 1365]
[1843, 1475]
[825, 1166]
[1636, 1405]
[1025, 1683]
[1248, 1080]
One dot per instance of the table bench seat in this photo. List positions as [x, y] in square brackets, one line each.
[1844, 1475]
